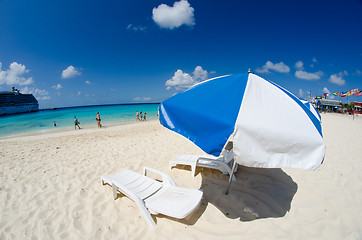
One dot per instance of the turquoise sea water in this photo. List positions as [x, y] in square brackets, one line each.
[64, 117]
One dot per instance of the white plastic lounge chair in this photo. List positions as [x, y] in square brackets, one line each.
[155, 197]
[223, 163]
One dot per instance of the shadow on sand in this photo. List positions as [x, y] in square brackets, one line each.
[257, 193]
[189, 220]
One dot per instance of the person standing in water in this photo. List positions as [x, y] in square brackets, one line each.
[98, 118]
[137, 115]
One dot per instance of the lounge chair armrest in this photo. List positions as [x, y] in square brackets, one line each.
[166, 179]
[216, 160]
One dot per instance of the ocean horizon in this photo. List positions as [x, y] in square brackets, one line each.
[43, 120]
[97, 105]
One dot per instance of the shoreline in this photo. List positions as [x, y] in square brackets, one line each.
[93, 127]
[41, 122]
[64, 131]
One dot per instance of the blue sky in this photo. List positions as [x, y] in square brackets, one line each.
[71, 53]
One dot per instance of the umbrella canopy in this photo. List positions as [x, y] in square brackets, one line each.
[311, 108]
[272, 128]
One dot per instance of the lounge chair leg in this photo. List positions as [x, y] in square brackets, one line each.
[231, 177]
[114, 189]
[193, 169]
[232, 174]
[148, 218]
[146, 214]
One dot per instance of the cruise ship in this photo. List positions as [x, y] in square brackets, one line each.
[16, 102]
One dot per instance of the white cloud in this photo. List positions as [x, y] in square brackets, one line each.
[277, 67]
[70, 72]
[299, 65]
[136, 28]
[43, 98]
[88, 82]
[314, 60]
[13, 76]
[325, 90]
[337, 79]
[358, 72]
[38, 93]
[57, 87]
[173, 17]
[200, 73]
[308, 76]
[139, 99]
[182, 81]
[300, 93]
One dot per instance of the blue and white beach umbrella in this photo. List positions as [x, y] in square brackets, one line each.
[271, 127]
[311, 108]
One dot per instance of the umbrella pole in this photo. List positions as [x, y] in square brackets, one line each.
[231, 177]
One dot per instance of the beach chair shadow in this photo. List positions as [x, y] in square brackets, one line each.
[191, 219]
[257, 193]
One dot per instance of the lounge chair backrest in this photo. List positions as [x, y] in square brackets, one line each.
[140, 185]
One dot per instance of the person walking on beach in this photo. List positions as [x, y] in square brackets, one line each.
[76, 123]
[144, 117]
[98, 118]
[137, 115]
[141, 116]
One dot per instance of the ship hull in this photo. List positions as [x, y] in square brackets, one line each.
[6, 110]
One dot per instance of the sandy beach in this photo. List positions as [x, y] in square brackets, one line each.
[50, 188]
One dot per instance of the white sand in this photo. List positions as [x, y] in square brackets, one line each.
[50, 188]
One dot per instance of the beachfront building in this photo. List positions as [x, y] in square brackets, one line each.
[328, 105]
[357, 107]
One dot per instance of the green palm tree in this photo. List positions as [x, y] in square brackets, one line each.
[342, 106]
[350, 107]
